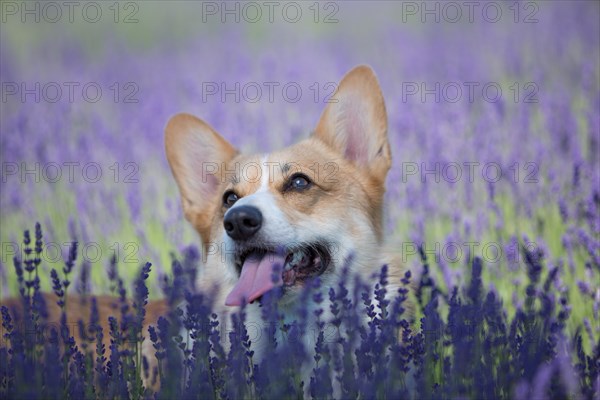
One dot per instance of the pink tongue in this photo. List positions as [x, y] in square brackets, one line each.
[256, 278]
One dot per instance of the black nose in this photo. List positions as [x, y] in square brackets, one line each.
[242, 222]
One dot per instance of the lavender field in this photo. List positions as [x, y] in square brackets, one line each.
[494, 122]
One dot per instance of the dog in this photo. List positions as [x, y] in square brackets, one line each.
[307, 210]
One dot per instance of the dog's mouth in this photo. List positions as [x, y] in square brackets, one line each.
[300, 263]
[262, 269]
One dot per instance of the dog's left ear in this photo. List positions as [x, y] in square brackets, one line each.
[355, 122]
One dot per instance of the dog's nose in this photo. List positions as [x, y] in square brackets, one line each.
[242, 222]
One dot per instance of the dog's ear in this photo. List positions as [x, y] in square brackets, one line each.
[196, 154]
[355, 122]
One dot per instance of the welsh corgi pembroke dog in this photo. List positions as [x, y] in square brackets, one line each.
[311, 210]
[307, 210]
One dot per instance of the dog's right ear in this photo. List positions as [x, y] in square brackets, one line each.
[196, 154]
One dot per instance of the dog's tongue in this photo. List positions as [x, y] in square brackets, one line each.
[256, 278]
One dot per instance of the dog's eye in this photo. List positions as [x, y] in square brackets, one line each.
[229, 198]
[299, 182]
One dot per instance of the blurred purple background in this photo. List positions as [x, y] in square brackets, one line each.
[540, 130]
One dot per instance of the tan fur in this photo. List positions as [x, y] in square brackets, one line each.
[79, 309]
[343, 184]
[347, 158]
[189, 141]
[359, 97]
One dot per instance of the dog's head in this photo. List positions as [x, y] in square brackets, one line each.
[280, 218]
